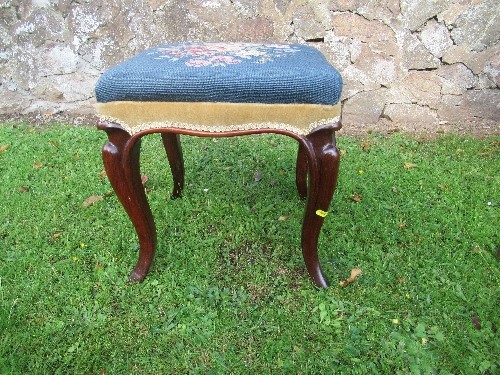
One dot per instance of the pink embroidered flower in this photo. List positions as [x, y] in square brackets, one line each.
[221, 59]
[197, 62]
[198, 51]
[223, 54]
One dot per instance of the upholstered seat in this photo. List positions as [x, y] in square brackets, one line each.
[221, 90]
[221, 87]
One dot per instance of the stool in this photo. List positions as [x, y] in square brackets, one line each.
[221, 90]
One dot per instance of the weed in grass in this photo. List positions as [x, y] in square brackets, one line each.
[228, 292]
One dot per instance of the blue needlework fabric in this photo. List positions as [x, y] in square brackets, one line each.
[223, 72]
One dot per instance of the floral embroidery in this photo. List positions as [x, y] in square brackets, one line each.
[224, 54]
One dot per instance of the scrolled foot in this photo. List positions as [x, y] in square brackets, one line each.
[137, 275]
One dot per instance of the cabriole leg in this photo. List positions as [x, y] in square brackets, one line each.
[323, 166]
[121, 161]
[172, 144]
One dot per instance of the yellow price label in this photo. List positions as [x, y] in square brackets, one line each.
[321, 213]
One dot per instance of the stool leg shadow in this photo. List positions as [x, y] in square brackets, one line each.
[323, 166]
[172, 144]
[121, 162]
[301, 172]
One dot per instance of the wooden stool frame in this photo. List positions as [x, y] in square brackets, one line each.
[317, 163]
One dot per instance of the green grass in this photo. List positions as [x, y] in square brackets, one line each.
[228, 292]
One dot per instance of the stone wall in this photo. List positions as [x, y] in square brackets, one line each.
[409, 63]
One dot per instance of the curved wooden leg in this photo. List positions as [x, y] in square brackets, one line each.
[301, 172]
[323, 159]
[121, 161]
[172, 144]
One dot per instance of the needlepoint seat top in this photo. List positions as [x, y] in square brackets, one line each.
[223, 72]
[206, 75]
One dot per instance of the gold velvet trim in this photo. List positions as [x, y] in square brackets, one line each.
[218, 117]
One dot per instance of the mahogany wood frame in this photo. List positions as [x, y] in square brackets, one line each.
[317, 158]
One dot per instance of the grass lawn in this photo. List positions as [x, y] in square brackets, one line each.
[228, 291]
